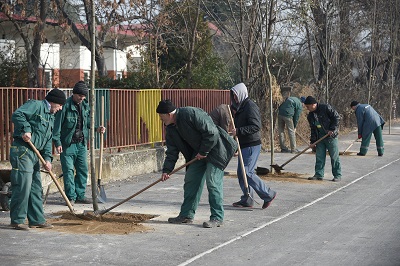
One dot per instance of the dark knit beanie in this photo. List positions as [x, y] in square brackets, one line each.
[310, 100]
[56, 96]
[302, 99]
[80, 88]
[165, 107]
[354, 103]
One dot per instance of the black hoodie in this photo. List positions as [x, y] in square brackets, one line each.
[247, 118]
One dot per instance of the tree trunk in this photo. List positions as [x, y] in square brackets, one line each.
[320, 36]
[101, 65]
[192, 45]
[37, 43]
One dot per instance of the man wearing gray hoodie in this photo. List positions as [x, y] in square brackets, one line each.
[248, 131]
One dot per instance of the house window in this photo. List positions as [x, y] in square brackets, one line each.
[119, 75]
[48, 83]
[86, 77]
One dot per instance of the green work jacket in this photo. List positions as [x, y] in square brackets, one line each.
[291, 107]
[195, 132]
[66, 121]
[34, 117]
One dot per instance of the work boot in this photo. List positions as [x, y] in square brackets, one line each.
[43, 226]
[267, 203]
[295, 151]
[20, 227]
[180, 220]
[285, 151]
[360, 154]
[212, 223]
[84, 201]
[315, 178]
[240, 204]
[336, 179]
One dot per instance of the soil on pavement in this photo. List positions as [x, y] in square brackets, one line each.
[108, 223]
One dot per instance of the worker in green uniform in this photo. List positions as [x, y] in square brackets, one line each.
[33, 121]
[368, 122]
[288, 117]
[192, 132]
[70, 137]
[323, 119]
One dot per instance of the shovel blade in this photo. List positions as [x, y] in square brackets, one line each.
[89, 215]
[277, 168]
[101, 194]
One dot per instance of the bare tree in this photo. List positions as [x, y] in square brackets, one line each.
[110, 16]
[20, 14]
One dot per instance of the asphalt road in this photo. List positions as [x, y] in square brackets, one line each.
[353, 222]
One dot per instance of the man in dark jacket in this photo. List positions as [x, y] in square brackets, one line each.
[192, 132]
[368, 122]
[288, 117]
[323, 119]
[221, 117]
[71, 135]
[248, 127]
[33, 122]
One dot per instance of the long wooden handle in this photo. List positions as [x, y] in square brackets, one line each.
[303, 151]
[101, 142]
[302, 138]
[246, 184]
[350, 146]
[52, 177]
[149, 186]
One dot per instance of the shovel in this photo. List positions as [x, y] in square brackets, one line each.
[246, 184]
[301, 137]
[55, 181]
[101, 212]
[101, 193]
[278, 168]
[48, 189]
[348, 147]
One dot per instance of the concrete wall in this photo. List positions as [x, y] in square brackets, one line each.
[115, 166]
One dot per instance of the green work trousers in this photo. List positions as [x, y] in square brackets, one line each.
[196, 174]
[26, 187]
[75, 170]
[286, 122]
[330, 145]
[379, 141]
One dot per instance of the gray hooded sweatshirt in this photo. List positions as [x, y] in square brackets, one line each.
[247, 118]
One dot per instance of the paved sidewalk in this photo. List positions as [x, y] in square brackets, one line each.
[168, 244]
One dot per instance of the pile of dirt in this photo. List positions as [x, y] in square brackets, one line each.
[288, 177]
[109, 223]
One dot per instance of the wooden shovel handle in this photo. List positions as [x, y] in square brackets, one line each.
[246, 184]
[52, 177]
[101, 142]
[146, 188]
[350, 146]
[301, 137]
[303, 151]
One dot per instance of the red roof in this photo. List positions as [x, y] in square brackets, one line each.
[126, 30]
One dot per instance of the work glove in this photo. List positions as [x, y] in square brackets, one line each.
[359, 136]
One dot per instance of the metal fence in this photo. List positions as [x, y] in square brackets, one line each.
[130, 115]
